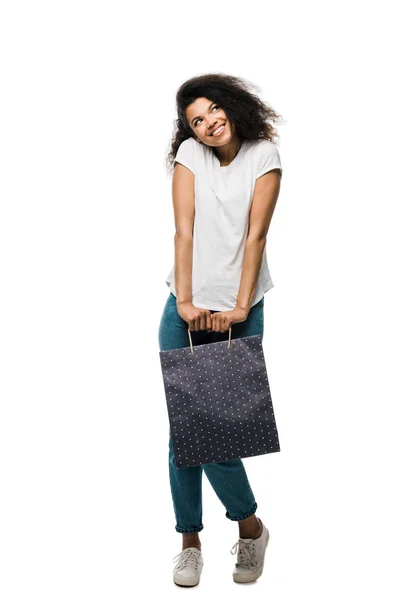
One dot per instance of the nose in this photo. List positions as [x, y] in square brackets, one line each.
[211, 123]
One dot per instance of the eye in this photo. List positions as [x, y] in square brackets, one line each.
[215, 106]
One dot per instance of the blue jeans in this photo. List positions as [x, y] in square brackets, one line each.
[228, 478]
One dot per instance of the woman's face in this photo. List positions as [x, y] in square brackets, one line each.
[205, 117]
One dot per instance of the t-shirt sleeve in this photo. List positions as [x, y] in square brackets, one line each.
[268, 159]
[186, 154]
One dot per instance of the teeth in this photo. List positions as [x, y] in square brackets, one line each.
[218, 130]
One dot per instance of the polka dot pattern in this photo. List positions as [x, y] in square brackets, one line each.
[219, 402]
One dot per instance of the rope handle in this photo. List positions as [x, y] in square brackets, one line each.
[190, 339]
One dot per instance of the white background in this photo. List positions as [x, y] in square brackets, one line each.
[86, 235]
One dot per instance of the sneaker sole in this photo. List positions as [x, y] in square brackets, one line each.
[186, 581]
[248, 578]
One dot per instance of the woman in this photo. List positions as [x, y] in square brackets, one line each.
[225, 186]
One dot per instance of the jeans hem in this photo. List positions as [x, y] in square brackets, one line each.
[245, 516]
[189, 529]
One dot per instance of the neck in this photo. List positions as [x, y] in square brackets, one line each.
[227, 153]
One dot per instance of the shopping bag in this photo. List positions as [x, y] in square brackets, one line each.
[219, 402]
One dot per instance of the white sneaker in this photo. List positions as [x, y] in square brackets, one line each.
[250, 561]
[188, 570]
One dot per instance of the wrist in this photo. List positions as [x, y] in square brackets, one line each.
[180, 301]
[243, 307]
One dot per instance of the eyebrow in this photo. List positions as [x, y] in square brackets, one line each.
[199, 117]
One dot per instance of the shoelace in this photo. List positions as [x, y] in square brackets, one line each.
[246, 554]
[188, 558]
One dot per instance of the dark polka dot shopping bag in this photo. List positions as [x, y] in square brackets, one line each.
[219, 402]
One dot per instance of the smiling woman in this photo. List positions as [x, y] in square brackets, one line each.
[215, 133]
[208, 101]
[226, 184]
[226, 181]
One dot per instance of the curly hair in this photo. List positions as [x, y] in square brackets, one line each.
[235, 95]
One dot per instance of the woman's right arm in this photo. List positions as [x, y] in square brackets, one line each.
[183, 202]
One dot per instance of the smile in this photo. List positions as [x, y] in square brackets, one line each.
[218, 131]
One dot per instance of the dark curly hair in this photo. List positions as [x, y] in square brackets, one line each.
[236, 97]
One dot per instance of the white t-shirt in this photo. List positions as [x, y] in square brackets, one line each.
[223, 197]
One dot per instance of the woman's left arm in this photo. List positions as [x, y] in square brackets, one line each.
[266, 192]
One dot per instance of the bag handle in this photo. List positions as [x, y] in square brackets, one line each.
[190, 339]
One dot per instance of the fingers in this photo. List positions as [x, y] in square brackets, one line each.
[220, 323]
[217, 325]
[210, 322]
[202, 322]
